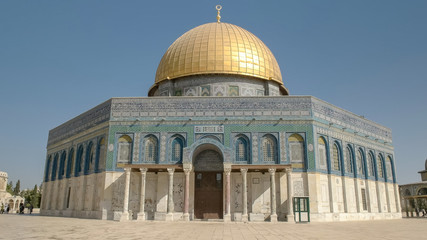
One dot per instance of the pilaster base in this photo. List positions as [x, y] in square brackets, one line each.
[169, 217]
[121, 216]
[141, 216]
[290, 218]
[245, 218]
[273, 218]
[186, 217]
[227, 218]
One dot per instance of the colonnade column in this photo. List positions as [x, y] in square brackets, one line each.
[273, 214]
[141, 214]
[406, 207]
[169, 215]
[290, 215]
[125, 214]
[187, 194]
[227, 216]
[244, 172]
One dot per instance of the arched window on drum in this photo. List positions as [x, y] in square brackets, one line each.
[124, 149]
[296, 150]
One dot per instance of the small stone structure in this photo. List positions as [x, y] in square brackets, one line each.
[414, 196]
[7, 198]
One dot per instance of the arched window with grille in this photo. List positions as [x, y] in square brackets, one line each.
[79, 161]
[47, 170]
[70, 163]
[380, 166]
[54, 167]
[100, 155]
[151, 148]
[296, 149]
[242, 149]
[359, 163]
[177, 147]
[125, 149]
[389, 170]
[321, 148]
[269, 148]
[349, 160]
[370, 165]
[336, 157]
[62, 165]
[90, 158]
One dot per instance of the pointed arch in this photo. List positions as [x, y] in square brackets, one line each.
[370, 164]
[380, 166]
[360, 163]
[47, 170]
[349, 160]
[336, 157]
[177, 146]
[100, 155]
[70, 163]
[79, 161]
[322, 153]
[124, 149]
[62, 165]
[242, 148]
[151, 147]
[54, 167]
[389, 168]
[296, 149]
[90, 158]
[269, 148]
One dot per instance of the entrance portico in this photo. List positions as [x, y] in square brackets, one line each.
[229, 195]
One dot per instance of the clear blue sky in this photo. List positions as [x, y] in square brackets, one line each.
[61, 58]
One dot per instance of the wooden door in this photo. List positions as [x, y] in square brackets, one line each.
[208, 195]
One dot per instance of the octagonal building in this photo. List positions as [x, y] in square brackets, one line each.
[219, 137]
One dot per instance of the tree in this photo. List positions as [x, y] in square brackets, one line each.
[9, 187]
[32, 197]
[17, 189]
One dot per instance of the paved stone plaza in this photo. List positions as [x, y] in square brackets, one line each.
[39, 227]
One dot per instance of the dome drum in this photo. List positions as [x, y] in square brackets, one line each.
[217, 85]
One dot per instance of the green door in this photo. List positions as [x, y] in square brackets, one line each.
[301, 209]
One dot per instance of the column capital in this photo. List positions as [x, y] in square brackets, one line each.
[143, 170]
[227, 171]
[171, 170]
[243, 170]
[288, 170]
[187, 170]
[272, 171]
[127, 169]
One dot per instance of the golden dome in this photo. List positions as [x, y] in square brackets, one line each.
[218, 47]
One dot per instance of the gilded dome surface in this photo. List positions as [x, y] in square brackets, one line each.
[218, 47]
